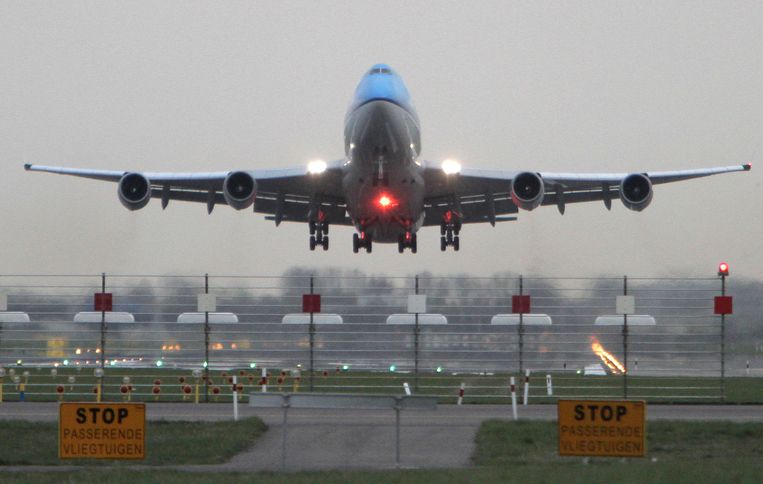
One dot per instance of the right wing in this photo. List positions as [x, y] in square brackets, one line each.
[290, 194]
[485, 195]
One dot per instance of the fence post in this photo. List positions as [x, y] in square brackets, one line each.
[521, 329]
[311, 330]
[206, 343]
[103, 322]
[723, 342]
[625, 342]
[416, 331]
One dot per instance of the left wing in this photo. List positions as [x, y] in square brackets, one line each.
[291, 194]
[487, 195]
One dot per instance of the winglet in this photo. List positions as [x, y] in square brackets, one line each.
[27, 166]
[747, 166]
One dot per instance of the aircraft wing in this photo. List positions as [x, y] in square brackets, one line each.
[485, 195]
[282, 194]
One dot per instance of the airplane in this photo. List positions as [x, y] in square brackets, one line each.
[381, 187]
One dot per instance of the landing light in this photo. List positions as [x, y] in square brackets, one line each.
[385, 201]
[451, 167]
[316, 167]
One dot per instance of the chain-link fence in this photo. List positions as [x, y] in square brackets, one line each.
[574, 335]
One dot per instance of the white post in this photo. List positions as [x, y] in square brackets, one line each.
[527, 387]
[549, 386]
[235, 400]
[513, 398]
[461, 393]
[407, 389]
[264, 373]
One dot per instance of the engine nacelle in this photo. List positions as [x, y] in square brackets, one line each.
[636, 191]
[239, 189]
[527, 190]
[134, 191]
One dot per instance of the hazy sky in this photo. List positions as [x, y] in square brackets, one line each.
[547, 86]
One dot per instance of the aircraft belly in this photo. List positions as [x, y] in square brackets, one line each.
[383, 186]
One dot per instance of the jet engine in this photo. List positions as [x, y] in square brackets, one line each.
[134, 191]
[239, 189]
[527, 190]
[636, 191]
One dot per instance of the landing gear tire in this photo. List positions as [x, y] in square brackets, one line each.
[318, 234]
[355, 243]
[368, 243]
[449, 230]
[414, 243]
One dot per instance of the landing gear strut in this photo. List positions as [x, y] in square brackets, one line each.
[319, 235]
[360, 241]
[407, 240]
[449, 231]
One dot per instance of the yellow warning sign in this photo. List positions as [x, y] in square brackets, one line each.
[102, 430]
[602, 428]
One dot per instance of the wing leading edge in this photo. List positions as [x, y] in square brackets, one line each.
[282, 194]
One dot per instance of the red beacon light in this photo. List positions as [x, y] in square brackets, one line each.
[723, 269]
[385, 201]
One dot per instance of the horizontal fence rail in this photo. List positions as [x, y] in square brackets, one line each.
[155, 342]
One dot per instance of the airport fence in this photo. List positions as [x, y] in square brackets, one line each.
[186, 337]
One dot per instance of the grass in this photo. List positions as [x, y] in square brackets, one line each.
[167, 443]
[42, 386]
[525, 451]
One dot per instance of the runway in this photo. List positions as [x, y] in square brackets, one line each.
[346, 439]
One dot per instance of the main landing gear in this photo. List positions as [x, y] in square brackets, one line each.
[449, 234]
[360, 241]
[319, 235]
[406, 240]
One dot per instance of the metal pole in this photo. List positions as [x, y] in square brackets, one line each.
[625, 342]
[206, 343]
[416, 331]
[521, 328]
[103, 322]
[723, 343]
[311, 329]
[397, 432]
[284, 427]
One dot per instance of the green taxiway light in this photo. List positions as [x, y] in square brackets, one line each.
[439, 369]
[252, 365]
[66, 362]
[159, 363]
[204, 364]
[392, 368]
[345, 367]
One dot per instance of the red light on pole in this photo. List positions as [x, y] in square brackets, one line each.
[723, 269]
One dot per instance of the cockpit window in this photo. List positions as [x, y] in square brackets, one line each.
[380, 70]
